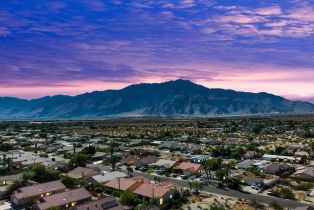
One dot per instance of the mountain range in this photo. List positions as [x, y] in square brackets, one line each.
[173, 98]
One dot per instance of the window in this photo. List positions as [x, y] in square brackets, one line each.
[161, 201]
[171, 196]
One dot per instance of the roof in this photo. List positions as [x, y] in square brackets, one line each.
[155, 190]
[189, 166]
[279, 157]
[274, 167]
[246, 163]
[80, 172]
[120, 183]
[125, 183]
[64, 198]
[39, 189]
[165, 163]
[304, 208]
[304, 172]
[104, 177]
[108, 203]
[147, 160]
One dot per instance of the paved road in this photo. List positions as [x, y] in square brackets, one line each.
[231, 193]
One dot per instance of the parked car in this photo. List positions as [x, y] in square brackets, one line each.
[161, 171]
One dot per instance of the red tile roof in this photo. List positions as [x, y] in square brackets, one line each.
[155, 190]
[64, 198]
[125, 183]
[120, 183]
[193, 167]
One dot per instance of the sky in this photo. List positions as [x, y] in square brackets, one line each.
[50, 47]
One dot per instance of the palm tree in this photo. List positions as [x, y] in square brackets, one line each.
[4, 160]
[74, 148]
[113, 158]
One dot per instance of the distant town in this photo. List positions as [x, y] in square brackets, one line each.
[240, 163]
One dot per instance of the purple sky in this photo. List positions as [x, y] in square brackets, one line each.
[76, 46]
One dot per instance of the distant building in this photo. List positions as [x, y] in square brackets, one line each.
[200, 158]
[280, 158]
[189, 169]
[304, 173]
[251, 179]
[105, 177]
[81, 172]
[146, 160]
[276, 168]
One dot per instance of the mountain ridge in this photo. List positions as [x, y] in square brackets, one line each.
[171, 98]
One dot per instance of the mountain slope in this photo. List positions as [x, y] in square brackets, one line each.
[174, 98]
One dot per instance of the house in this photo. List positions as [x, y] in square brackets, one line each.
[251, 155]
[98, 156]
[189, 169]
[276, 168]
[304, 208]
[123, 184]
[65, 200]
[245, 164]
[173, 146]
[232, 141]
[105, 177]
[163, 192]
[81, 172]
[30, 194]
[301, 154]
[304, 173]
[107, 203]
[261, 164]
[129, 160]
[251, 179]
[200, 158]
[146, 160]
[165, 163]
[280, 158]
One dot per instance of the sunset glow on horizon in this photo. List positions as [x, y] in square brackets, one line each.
[72, 47]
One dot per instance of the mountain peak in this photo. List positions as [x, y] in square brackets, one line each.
[173, 98]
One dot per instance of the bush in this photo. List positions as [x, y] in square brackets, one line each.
[283, 192]
[40, 173]
[215, 207]
[127, 198]
[276, 206]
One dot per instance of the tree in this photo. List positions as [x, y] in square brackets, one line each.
[127, 198]
[220, 175]
[113, 158]
[90, 150]
[210, 165]
[195, 185]
[74, 148]
[79, 159]
[40, 173]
